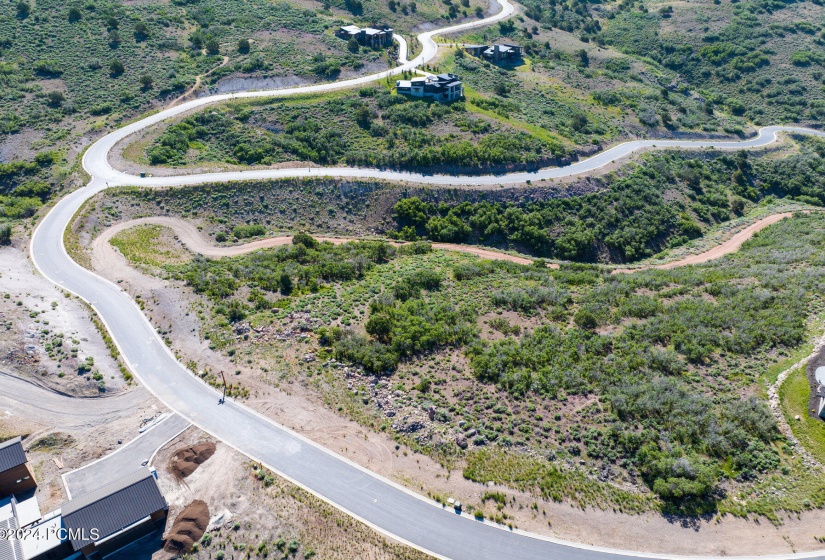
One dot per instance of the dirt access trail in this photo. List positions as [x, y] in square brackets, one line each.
[725, 248]
[198, 80]
[196, 242]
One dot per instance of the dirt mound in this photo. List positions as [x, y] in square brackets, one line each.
[188, 528]
[187, 460]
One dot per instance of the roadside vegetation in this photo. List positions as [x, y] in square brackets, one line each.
[369, 128]
[663, 202]
[654, 68]
[25, 186]
[630, 391]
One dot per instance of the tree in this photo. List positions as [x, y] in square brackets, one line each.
[285, 284]
[116, 68]
[243, 46]
[363, 117]
[146, 82]
[23, 9]
[584, 319]
[355, 7]
[352, 45]
[380, 326]
[55, 98]
[578, 122]
[141, 31]
[114, 39]
[212, 46]
[305, 239]
[74, 15]
[235, 311]
[584, 59]
[5, 234]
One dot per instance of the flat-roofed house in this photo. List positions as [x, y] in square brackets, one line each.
[16, 475]
[367, 36]
[504, 53]
[443, 87]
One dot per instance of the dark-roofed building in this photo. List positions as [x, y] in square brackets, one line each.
[497, 54]
[15, 475]
[368, 36]
[444, 87]
[114, 515]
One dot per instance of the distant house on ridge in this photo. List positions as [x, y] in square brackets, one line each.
[367, 36]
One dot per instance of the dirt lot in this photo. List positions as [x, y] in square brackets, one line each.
[48, 336]
[252, 510]
[299, 405]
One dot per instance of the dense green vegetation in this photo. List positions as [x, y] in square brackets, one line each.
[25, 186]
[371, 128]
[61, 62]
[706, 67]
[663, 202]
[763, 62]
[663, 357]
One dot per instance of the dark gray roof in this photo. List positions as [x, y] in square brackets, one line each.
[12, 454]
[114, 506]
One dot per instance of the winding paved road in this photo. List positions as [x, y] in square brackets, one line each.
[380, 503]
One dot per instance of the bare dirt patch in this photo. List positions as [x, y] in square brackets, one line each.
[251, 507]
[186, 461]
[189, 527]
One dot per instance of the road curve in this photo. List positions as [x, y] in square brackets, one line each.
[380, 503]
[198, 243]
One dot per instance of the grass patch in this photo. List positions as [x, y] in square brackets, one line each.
[149, 245]
[793, 396]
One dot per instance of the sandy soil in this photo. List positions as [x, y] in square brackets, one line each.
[296, 405]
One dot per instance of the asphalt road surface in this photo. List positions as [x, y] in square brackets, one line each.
[22, 398]
[378, 502]
[125, 460]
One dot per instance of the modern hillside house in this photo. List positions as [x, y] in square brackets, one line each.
[497, 54]
[367, 36]
[443, 87]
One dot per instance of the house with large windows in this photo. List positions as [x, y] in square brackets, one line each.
[367, 36]
[504, 53]
[443, 87]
